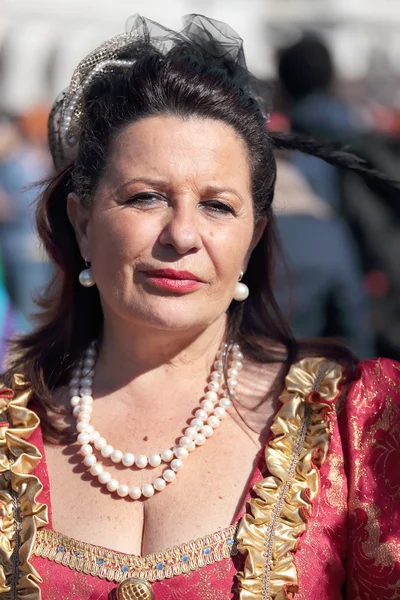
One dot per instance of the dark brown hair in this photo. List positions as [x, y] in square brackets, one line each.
[185, 85]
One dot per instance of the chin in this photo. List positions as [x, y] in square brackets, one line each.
[175, 315]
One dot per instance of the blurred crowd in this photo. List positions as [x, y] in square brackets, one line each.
[340, 233]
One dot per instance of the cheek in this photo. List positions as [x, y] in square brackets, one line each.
[227, 250]
[117, 238]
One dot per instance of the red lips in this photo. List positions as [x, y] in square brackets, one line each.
[174, 281]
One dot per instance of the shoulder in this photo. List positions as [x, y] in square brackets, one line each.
[377, 382]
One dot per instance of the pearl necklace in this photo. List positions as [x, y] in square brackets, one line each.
[206, 419]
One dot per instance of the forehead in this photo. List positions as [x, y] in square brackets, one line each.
[181, 149]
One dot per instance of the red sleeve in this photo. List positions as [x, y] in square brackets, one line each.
[373, 423]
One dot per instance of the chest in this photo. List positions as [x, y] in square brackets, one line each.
[205, 497]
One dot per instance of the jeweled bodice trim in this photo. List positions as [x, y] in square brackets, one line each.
[116, 566]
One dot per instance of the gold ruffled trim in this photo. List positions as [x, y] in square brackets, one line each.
[116, 566]
[20, 512]
[269, 535]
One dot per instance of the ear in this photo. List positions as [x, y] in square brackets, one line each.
[79, 219]
[257, 234]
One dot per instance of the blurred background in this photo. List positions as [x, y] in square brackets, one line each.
[331, 70]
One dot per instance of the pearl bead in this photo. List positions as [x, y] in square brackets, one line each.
[148, 490]
[213, 421]
[122, 491]
[86, 408]
[76, 372]
[76, 411]
[135, 493]
[213, 396]
[87, 399]
[236, 364]
[169, 475]
[104, 477]
[90, 429]
[185, 441]
[75, 401]
[96, 469]
[91, 351]
[216, 376]
[190, 431]
[207, 406]
[89, 362]
[154, 459]
[82, 426]
[192, 446]
[141, 461]
[106, 451]
[167, 455]
[86, 449]
[201, 414]
[159, 484]
[83, 417]
[219, 365]
[213, 386]
[74, 391]
[86, 371]
[235, 347]
[112, 485]
[95, 436]
[220, 412]
[100, 443]
[89, 460]
[207, 431]
[116, 456]
[128, 459]
[225, 403]
[197, 422]
[233, 373]
[85, 391]
[199, 439]
[237, 355]
[176, 464]
[181, 452]
[83, 438]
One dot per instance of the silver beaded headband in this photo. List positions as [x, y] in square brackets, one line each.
[68, 125]
[67, 111]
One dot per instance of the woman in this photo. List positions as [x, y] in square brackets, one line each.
[161, 203]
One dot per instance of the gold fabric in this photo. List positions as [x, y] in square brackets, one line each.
[20, 512]
[269, 535]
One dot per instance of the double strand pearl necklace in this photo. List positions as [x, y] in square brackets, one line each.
[206, 419]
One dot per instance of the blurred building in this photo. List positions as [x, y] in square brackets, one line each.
[41, 42]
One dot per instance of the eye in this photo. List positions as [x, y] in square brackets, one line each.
[145, 199]
[216, 206]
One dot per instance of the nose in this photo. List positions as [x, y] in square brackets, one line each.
[181, 232]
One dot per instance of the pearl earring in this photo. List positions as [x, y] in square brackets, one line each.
[241, 290]
[86, 277]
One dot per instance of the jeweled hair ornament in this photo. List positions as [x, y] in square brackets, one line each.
[206, 40]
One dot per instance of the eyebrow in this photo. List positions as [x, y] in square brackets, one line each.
[163, 185]
[156, 183]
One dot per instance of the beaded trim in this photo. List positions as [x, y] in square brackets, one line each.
[116, 566]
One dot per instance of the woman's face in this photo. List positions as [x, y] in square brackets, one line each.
[172, 225]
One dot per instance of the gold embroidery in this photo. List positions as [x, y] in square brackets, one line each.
[116, 566]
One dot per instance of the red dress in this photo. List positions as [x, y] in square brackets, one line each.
[323, 521]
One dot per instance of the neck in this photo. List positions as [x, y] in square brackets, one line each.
[126, 353]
